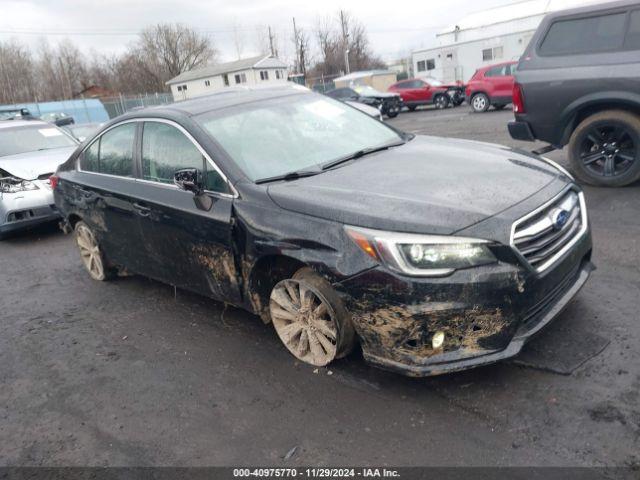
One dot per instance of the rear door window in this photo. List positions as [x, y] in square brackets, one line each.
[499, 71]
[112, 153]
[600, 33]
[632, 39]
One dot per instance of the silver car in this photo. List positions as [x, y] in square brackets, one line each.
[30, 152]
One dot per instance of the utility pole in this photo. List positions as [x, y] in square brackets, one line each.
[296, 40]
[300, 53]
[271, 42]
[345, 40]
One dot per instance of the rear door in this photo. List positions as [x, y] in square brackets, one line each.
[106, 195]
[189, 246]
[500, 80]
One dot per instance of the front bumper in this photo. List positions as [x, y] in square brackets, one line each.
[487, 313]
[23, 210]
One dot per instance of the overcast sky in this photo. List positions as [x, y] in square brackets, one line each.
[394, 28]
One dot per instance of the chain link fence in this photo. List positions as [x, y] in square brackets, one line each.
[123, 103]
[323, 83]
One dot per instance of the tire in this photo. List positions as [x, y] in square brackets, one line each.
[499, 106]
[604, 149]
[441, 101]
[296, 323]
[393, 113]
[412, 108]
[90, 253]
[480, 103]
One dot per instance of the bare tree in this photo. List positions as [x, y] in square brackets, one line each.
[166, 50]
[16, 73]
[238, 40]
[302, 50]
[336, 36]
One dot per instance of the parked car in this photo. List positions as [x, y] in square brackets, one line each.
[578, 84]
[15, 114]
[82, 131]
[58, 118]
[434, 254]
[30, 152]
[389, 104]
[428, 91]
[491, 86]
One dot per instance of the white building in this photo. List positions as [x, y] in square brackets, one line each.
[491, 36]
[245, 72]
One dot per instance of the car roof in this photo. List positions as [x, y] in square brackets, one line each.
[591, 8]
[222, 99]
[23, 123]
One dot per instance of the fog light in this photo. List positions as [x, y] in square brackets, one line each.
[437, 340]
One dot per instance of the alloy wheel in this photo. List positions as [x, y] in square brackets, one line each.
[90, 252]
[608, 150]
[479, 103]
[441, 102]
[305, 322]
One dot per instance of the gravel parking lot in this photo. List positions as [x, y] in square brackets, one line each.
[132, 372]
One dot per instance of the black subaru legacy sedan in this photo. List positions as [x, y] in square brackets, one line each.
[432, 254]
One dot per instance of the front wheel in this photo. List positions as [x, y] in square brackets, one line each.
[604, 149]
[310, 319]
[480, 103]
[441, 101]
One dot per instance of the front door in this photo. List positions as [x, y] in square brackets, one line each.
[188, 245]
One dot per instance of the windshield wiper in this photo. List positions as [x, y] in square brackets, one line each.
[358, 154]
[289, 176]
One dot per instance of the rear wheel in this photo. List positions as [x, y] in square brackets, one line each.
[605, 149]
[310, 319]
[441, 101]
[499, 106]
[412, 108]
[480, 103]
[90, 252]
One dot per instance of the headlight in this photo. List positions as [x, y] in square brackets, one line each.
[422, 255]
[15, 185]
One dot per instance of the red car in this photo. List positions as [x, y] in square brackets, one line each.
[427, 91]
[491, 85]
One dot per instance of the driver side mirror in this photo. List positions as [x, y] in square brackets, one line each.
[190, 180]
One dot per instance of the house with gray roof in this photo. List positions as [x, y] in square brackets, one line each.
[261, 70]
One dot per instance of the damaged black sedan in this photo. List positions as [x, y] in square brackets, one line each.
[432, 254]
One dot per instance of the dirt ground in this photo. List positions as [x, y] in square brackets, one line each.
[135, 373]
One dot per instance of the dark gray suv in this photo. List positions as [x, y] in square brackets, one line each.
[578, 83]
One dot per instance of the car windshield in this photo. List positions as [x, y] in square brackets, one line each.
[433, 82]
[302, 132]
[32, 138]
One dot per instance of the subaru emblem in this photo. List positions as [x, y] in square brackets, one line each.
[559, 218]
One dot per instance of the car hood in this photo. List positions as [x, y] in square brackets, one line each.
[30, 165]
[429, 185]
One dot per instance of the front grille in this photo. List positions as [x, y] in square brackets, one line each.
[545, 234]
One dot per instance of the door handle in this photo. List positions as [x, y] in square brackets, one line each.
[142, 210]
